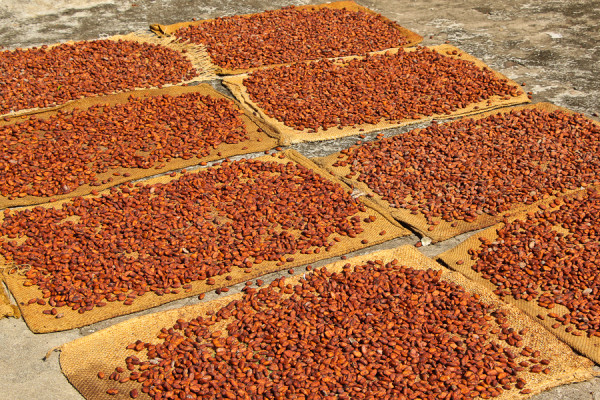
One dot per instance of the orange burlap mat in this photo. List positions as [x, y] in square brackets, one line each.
[460, 260]
[104, 350]
[384, 228]
[260, 138]
[6, 308]
[166, 30]
[444, 230]
[195, 53]
[289, 135]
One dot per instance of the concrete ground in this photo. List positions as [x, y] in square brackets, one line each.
[551, 45]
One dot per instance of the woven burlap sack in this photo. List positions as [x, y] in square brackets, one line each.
[167, 30]
[260, 138]
[444, 230]
[289, 135]
[195, 53]
[459, 260]
[81, 359]
[384, 228]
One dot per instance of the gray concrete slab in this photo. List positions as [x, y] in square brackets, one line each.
[551, 45]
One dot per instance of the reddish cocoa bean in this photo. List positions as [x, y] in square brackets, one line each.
[44, 76]
[463, 169]
[533, 261]
[384, 87]
[385, 330]
[290, 34]
[157, 238]
[59, 154]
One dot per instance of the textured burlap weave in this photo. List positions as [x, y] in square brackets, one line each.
[81, 359]
[459, 259]
[195, 53]
[443, 230]
[257, 141]
[162, 30]
[39, 322]
[6, 308]
[289, 135]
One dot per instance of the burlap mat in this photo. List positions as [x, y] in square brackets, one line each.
[590, 347]
[289, 135]
[81, 359]
[411, 37]
[257, 141]
[40, 323]
[443, 230]
[195, 53]
[6, 308]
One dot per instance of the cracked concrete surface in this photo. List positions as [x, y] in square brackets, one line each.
[553, 46]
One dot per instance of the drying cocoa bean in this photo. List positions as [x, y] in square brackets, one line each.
[383, 87]
[47, 76]
[533, 261]
[375, 331]
[158, 238]
[463, 169]
[67, 150]
[290, 34]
